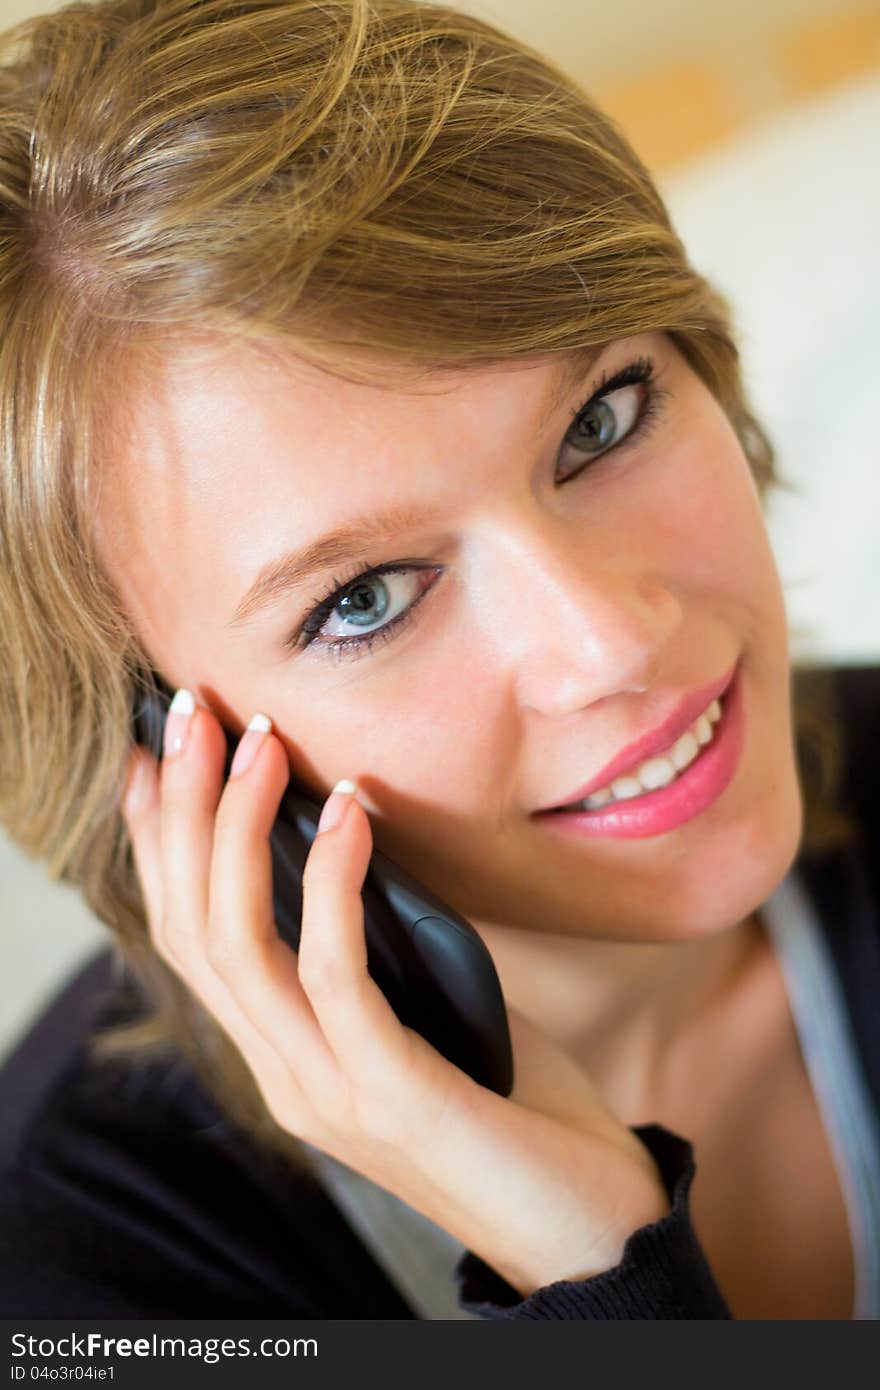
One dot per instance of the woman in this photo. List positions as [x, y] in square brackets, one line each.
[276, 271]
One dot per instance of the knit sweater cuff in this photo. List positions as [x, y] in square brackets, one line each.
[663, 1272]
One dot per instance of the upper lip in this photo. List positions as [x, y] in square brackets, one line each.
[682, 715]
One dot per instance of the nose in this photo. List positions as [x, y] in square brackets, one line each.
[583, 625]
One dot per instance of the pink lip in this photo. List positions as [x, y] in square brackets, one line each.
[682, 717]
[656, 812]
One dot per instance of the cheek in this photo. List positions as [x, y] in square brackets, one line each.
[712, 537]
[422, 732]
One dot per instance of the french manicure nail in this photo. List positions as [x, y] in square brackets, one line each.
[249, 744]
[178, 723]
[336, 805]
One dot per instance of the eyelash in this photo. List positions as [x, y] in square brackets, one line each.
[638, 372]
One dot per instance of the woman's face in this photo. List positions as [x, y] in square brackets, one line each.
[564, 588]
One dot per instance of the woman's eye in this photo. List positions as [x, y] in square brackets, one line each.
[376, 598]
[604, 422]
[367, 608]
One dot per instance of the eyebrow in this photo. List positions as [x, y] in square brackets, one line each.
[288, 572]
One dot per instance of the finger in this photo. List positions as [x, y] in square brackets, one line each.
[191, 784]
[362, 1029]
[243, 945]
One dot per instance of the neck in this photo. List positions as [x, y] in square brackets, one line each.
[631, 1014]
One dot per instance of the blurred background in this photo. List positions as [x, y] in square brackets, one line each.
[761, 125]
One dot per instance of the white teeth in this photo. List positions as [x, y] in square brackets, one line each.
[684, 751]
[598, 799]
[659, 771]
[625, 787]
[703, 730]
[655, 773]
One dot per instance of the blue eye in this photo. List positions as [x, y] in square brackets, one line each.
[612, 413]
[611, 417]
[364, 601]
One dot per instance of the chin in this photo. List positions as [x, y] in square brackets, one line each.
[737, 872]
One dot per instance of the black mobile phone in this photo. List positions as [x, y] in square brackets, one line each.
[432, 966]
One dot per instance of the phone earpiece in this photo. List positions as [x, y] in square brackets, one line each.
[149, 710]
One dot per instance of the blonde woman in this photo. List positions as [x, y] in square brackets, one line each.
[371, 270]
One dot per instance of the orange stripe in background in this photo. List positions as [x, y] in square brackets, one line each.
[821, 54]
[680, 110]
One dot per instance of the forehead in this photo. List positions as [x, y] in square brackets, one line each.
[208, 425]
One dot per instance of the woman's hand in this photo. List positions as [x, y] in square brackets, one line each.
[543, 1185]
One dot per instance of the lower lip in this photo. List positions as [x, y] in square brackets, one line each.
[659, 811]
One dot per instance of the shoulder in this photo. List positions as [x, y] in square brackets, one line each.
[126, 1193]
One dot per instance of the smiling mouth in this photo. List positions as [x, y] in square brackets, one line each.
[659, 770]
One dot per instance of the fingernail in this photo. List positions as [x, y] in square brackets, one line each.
[249, 744]
[336, 805]
[178, 722]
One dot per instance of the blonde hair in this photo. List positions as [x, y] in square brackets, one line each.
[361, 182]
